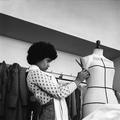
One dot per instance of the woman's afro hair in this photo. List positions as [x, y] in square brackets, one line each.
[40, 50]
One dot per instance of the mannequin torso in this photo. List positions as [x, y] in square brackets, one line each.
[99, 84]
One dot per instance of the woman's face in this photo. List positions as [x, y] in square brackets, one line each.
[44, 64]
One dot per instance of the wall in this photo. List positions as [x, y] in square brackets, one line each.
[12, 51]
[89, 19]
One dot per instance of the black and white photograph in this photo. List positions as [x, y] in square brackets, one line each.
[59, 59]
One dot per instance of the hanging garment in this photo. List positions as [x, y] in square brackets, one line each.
[23, 86]
[3, 88]
[74, 105]
[78, 104]
[13, 92]
[23, 93]
[16, 100]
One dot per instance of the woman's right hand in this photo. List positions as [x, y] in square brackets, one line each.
[84, 74]
[81, 76]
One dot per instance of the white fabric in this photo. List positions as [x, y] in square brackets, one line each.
[108, 112]
[61, 110]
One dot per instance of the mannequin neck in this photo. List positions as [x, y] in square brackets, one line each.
[98, 52]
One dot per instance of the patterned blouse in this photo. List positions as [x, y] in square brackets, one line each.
[44, 85]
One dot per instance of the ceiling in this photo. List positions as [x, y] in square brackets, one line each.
[29, 32]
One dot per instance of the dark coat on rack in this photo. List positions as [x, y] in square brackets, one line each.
[3, 90]
[13, 93]
[74, 104]
[16, 108]
[15, 90]
[23, 87]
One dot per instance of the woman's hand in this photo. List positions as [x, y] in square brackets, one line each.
[84, 74]
[81, 76]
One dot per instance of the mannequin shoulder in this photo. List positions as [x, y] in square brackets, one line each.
[86, 61]
[108, 62]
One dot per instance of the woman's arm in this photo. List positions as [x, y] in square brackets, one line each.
[45, 82]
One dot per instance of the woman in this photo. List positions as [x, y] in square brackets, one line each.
[47, 91]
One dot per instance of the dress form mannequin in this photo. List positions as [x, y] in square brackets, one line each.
[99, 85]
